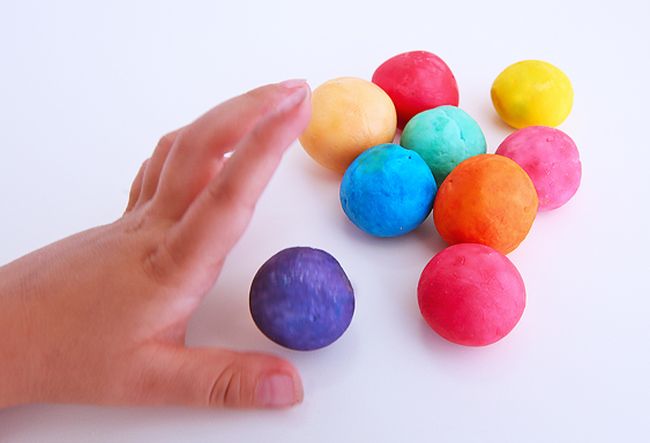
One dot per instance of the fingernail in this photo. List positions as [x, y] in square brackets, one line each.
[293, 83]
[275, 391]
[293, 98]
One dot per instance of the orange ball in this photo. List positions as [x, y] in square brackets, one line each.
[487, 199]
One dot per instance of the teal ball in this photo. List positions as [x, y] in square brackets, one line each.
[444, 137]
[387, 191]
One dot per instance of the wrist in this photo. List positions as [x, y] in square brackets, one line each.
[15, 349]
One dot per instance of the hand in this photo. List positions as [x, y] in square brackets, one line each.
[100, 317]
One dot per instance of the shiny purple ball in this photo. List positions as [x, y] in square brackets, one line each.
[302, 299]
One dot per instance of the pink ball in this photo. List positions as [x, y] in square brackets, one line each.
[471, 294]
[550, 158]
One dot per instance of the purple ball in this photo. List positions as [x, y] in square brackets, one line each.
[302, 299]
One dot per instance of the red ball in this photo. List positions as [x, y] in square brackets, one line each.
[416, 81]
[471, 294]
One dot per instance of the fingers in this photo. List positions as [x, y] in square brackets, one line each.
[199, 149]
[220, 214]
[219, 378]
[156, 163]
[136, 187]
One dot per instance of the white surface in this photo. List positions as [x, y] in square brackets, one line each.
[86, 90]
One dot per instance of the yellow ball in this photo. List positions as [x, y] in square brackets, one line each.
[532, 93]
[349, 115]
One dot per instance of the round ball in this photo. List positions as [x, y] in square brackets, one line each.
[416, 81]
[302, 299]
[349, 115]
[444, 137]
[471, 294]
[387, 191]
[550, 158]
[532, 92]
[487, 199]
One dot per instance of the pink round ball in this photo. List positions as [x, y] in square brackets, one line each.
[471, 294]
[550, 158]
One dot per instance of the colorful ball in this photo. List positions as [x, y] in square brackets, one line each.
[550, 158]
[444, 137]
[387, 191]
[302, 299]
[487, 199]
[471, 294]
[416, 81]
[532, 92]
[349, 115]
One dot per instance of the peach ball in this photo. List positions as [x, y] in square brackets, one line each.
[349, 115]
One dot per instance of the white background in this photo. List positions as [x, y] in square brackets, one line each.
[87, 89]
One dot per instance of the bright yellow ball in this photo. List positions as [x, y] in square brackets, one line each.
[349, 115]
[532, 93]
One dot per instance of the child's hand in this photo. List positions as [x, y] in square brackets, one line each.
[100, 317]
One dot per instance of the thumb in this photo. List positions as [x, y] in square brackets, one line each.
[209, 377]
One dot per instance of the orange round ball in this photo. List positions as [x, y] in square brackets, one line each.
[487, 199]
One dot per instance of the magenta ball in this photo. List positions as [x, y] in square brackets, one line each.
[550, 158]
[471, 294]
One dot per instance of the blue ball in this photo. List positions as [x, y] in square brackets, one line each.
[444, 137]
[302, 299]
[387, 191]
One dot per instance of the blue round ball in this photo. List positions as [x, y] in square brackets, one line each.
[302, 299]
[388, 191]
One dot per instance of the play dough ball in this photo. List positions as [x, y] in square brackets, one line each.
[416, 81]
[471, 294]
[444, 137]
[487, 199]
[532, 92]
[349, 115]
[387, 191]
[550, 158]
[302, 299]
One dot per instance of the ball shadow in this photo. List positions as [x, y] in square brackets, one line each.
[398, 137]
[223, 318]
[427, 234]
[496, 121]
[315, 171]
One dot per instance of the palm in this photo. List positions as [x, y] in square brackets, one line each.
[123, 293]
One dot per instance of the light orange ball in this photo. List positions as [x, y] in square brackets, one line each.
[487, 199]
[349, 115]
